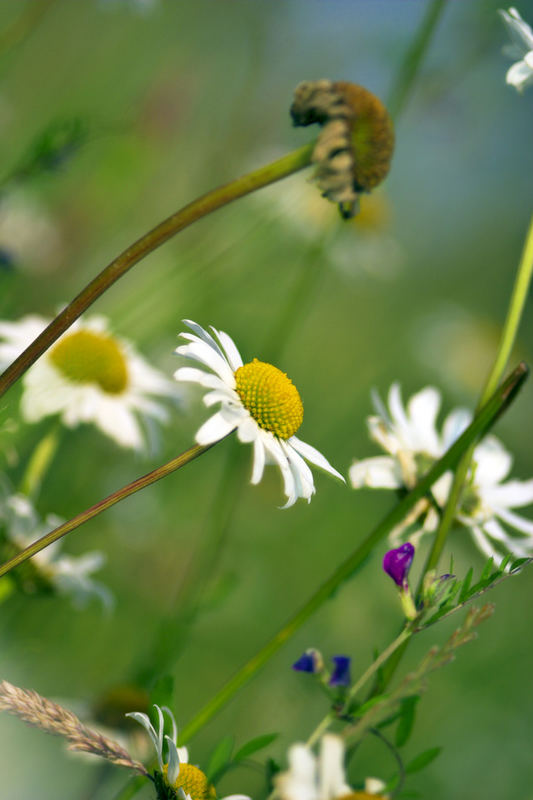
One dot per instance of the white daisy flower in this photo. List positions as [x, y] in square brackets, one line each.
[520, 74]
[88, 375]
[320, 778]
[258, 401]
[413, 443]
[67, 575]
[189, 781]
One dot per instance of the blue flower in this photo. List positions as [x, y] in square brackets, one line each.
[341, 671]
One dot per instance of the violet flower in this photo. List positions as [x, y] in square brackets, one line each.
[341, 671]
[397, 563]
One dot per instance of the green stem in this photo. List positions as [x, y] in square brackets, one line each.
[103, 505]
[413, 59]
[510, 329]
[404, 636]
[479, 427]
[293, 162]
[39, 462]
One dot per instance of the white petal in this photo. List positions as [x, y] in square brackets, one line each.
[273, 447]
[519, 30]
[331, 767]
[206, 379]
[259, 460]
[516, 546]
[248, 430]
[299, 782]
[314, 456]
[493, 462]
[200, 332]
[512, 494]
[303, 477]
[183, 754]
[216, 427]
[441, 488]
[423, 408]
[217, 396]
[519, 75]
[230, 349]
[118, 422]
[144, 720]
[515, 520]
[399, 417]
[381, 472]
[199, 351]
[173, 761]
[455, 424]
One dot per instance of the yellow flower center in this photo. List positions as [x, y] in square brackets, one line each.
[89, 357]
[271, 398]
[193, 781]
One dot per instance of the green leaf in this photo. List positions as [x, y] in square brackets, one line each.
[423, 759]
[254, 745]
[463, 594]
[487, 569]
[407, 718]
[220, 758]
[518, 563]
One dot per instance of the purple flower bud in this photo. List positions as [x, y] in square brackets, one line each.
[310, 661]
[341, 671]
[397, 563]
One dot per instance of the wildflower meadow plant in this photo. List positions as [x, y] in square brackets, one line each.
[185, 555]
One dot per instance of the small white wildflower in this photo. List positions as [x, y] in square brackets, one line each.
[520, 74]
[258, 401]
[190, 782]
[413, 442]
[68, 575]
[88, 375]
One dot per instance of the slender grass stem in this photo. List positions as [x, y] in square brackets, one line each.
[478, 428]
[508, 337]
[103, 505]
[293, 162]
[414, 57]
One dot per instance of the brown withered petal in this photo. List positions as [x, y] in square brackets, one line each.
[354, 148]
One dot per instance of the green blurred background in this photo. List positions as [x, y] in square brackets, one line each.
[175, 98]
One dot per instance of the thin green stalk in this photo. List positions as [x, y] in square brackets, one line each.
[413, 59]
[478, 428]
[39, 462]
[293, 162]
[404, 636]
[510, 329]
[103, 505]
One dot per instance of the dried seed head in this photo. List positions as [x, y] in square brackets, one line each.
[354, 148]
[52, 718]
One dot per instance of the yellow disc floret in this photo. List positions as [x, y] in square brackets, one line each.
[271, 398]
[90, 357]
[193, 782]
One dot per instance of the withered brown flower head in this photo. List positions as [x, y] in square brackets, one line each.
[354, 148]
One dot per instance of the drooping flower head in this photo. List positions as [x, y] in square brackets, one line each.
[397, 563]
[258, 401]
[520, 75]
[188, 780]
[354, 148]
[88, 375]
[413, 444]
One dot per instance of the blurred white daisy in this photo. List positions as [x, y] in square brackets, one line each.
[29, 237]
[257, 400]
[320, 778]
[520, 74]
[189, 781]
[413, 443]
[88, 375]
[48, 570]
[364, 244]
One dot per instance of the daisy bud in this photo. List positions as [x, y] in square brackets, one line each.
[311, 661]
[341, 671]
[397, 563]
[354, 148]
